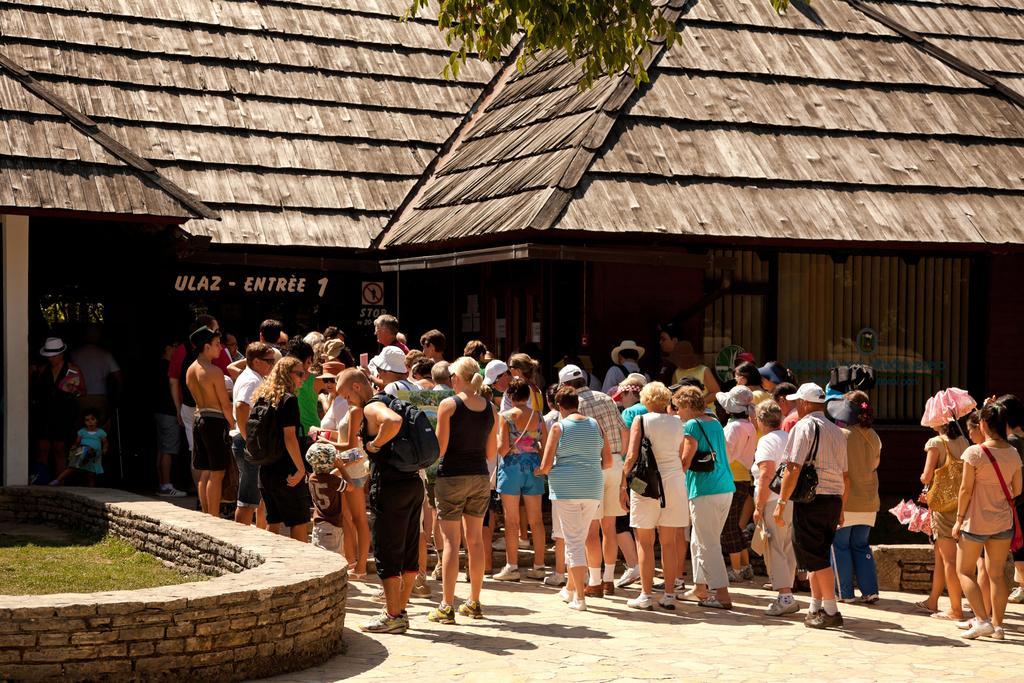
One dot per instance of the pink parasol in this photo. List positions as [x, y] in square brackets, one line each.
[946, 406]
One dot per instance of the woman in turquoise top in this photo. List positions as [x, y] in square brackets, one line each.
[574, 457]
[710, 498]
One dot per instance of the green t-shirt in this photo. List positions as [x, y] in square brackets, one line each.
[630, 413]
[307, 406]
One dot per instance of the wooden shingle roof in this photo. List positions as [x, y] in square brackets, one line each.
[839, 121]
[55, 158]
[300, 122]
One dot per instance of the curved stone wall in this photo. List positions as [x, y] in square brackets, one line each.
[275, 605]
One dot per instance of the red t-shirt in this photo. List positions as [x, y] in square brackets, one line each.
[178, 359]
[790, 421]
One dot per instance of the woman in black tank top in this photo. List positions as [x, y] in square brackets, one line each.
[467, 437]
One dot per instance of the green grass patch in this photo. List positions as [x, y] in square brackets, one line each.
[80, 564]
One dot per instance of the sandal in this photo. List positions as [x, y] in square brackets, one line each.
[924, 606]
[945, 617]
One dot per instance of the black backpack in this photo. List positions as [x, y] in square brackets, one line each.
[415, 446]
[646, 476]
[264, 442]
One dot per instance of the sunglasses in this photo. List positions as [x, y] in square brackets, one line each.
[328, 380]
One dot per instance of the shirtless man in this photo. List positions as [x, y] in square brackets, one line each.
[396, 499]
[214, 418]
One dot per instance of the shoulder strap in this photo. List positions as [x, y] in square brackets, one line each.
[813, 455]
[707, 441]
[999, 474]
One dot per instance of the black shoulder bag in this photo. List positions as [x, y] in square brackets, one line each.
[807, 482]
[646, 477]
[704, 461]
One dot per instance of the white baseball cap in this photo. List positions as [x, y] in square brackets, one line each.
[390, 359]
[493, 371]
[569, 373]
[809, 392]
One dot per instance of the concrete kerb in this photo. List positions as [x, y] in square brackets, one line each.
[275, 605]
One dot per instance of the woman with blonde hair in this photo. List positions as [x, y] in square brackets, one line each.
[710, 488]
[467, 437]
[667, 515]
[287, 502]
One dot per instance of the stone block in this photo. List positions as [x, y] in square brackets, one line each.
[53, 639]
[59, 654]
[212, 628]
[180, 630]
[142, 633]
[93, 637]
[18, 640]
[9, 656]
[96, 669]
[233, 639]
[170, 647]
[18, 672]
[141, 649]
[161, 664]
[243, 623]
[199, 644]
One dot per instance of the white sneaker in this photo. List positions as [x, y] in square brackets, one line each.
[777, 609]
[630, 576]
[966, 624]
[998, 633]
[642, 601]
[578, 605]
[1017, 596]
[536, 573]
[981, 628]
[668, 602]
[680, 585]
[507, 573]
[564, 595]
[554, 580]
[170, 492]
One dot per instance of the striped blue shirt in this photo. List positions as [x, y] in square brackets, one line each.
[576, 473]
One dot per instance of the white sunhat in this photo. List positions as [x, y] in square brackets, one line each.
[494, 370]
[627, 345]
[736, 400]
[390, 359]
[809, 392]
[54, 346]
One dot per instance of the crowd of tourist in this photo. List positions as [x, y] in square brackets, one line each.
[408, 456]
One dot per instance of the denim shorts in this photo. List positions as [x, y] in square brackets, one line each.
[359, 482]
[248, 475]
[516, 477]
[981, 538]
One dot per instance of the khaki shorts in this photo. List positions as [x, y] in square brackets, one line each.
[611, 505]
[464, 495]
[327, 536]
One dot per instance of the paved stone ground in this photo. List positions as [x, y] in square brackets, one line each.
[529, 634]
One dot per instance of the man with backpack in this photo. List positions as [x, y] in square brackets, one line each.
[625, 359]
[398, 445]
[260, 359]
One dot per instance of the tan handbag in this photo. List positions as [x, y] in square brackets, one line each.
[945, 487]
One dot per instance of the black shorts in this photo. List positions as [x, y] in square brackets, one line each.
[288, 505]
[212, 449]
[396, 504]
[622, 525]
[814, 528]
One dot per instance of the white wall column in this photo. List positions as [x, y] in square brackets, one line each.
[15, 347]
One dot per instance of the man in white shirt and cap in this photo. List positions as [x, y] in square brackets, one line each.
[497, 376]
[819, 442]
[391, 371]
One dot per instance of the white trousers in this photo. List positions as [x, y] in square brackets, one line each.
[574, 518]
[782, 559]
[707, 518]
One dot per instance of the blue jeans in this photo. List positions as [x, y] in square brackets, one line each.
[851, 555]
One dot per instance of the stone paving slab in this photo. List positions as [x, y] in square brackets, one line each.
[529, 634]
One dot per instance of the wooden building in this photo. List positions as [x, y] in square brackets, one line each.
[844, 182]
[841, 183]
